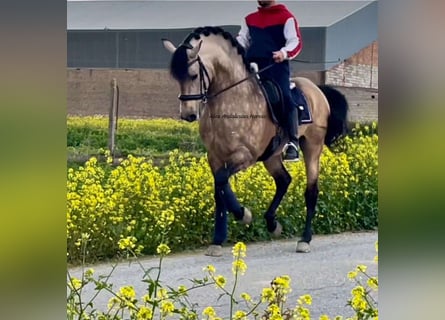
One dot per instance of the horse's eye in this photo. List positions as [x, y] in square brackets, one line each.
[194, 77]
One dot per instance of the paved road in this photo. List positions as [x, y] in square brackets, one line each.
[320, 273]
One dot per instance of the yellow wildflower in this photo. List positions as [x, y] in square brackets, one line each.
[362, 268]
[267, 295]
[324, 317]
[240, 315]
[75, 283]
[373, 283]
[127, 243]
[209, 311]
[144, 313]
[167, 307]
[305, 299]
[352, 274]
[239, 266]
[220, 281]
[127, 292]
[210, 269]
[246, 296]
[163, 249]
[239, 250]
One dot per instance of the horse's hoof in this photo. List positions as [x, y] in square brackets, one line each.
[214, 251]
[247, 217]
[278, 229]
[303, 246]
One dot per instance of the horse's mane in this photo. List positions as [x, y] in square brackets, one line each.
[178, 64]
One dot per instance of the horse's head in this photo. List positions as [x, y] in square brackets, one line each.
[192, 76]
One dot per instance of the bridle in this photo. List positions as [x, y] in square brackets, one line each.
[203, 86]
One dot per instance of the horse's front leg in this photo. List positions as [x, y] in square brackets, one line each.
[225, 201]
[282, 180]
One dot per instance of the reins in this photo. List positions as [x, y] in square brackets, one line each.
[202, 95]
[242, 80]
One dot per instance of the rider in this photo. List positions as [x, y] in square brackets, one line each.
[270, 35]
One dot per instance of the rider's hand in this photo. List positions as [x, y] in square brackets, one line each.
[278, 56]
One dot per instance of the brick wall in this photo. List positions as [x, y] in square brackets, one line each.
[143, 93]
[360, 70]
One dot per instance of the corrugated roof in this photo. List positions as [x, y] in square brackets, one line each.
[141, 15]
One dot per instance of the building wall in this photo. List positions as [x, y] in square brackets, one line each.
[360, 70]
[142, 92]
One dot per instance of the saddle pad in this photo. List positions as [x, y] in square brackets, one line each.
[304, 114]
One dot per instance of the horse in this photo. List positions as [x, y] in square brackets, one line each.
[218, 88]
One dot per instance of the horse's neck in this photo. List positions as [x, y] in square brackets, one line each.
[230, 71]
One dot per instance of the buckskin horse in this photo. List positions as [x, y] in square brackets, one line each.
[238, 127]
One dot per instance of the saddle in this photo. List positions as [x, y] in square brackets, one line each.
[274, 97]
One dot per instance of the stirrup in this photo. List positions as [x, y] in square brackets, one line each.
[286, 155]
[288, 145]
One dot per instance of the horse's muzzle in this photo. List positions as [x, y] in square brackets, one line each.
[190, 117]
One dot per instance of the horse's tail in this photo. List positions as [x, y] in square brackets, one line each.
[337, 121]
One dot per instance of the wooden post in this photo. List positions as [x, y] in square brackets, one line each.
[112, 123]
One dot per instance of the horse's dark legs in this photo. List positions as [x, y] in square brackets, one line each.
[225, 200]
[220, 219]
[310, 196]
[282, 180]
[312, 151]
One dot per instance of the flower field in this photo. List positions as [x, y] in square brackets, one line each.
[146, 201]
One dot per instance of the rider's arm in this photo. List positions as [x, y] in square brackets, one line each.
[293, 39]
[243, 37]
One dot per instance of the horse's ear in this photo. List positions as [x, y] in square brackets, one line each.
[169, 45]
[195, 50]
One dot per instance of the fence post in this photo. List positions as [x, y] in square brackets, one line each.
[113, 114]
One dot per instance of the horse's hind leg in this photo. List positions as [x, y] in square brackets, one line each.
[282, 180]
[312, 152]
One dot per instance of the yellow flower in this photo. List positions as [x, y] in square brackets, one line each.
[239, 250]
[267, 295]
[144, 313]
[162, 293]
[163, 249]
[239, 266]
[127, 243]
[273, 309]
[75, 283]
[167, 307]
[209, 311]
[220, 281]
[358, 291]
[210, 269]
[362, 268]
[246, 296]
[127, 292]
[373, 283]
[305, 299]
[352, 274]
[324, 317]
[240, 315]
